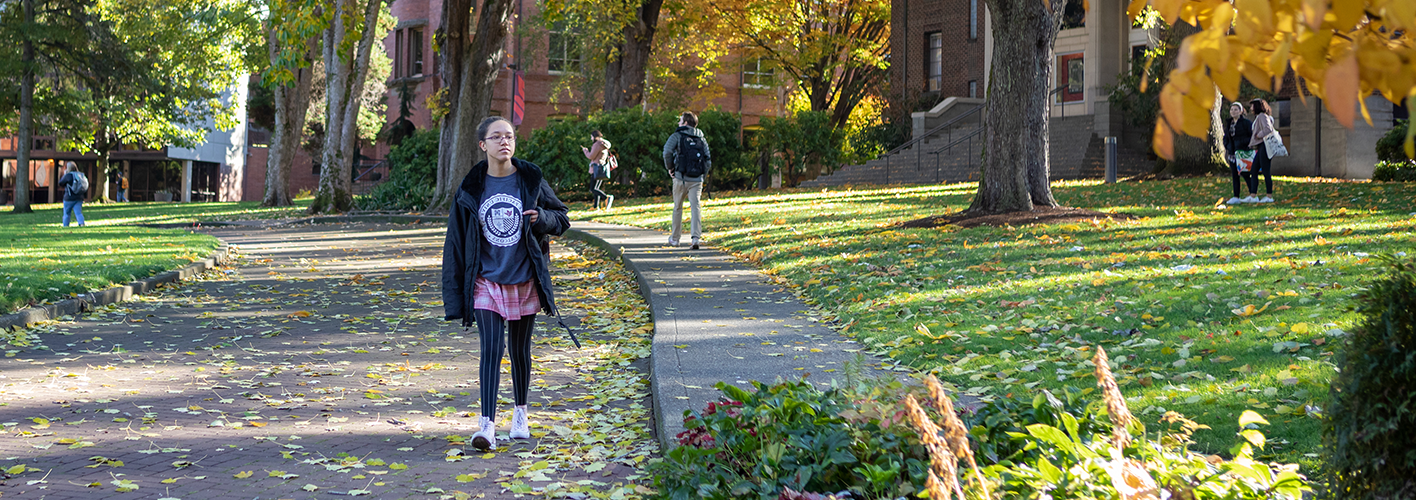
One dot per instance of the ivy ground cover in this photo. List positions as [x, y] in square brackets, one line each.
[40, 260]
[1206, 310]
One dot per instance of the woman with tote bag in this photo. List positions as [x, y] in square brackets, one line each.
[1265, 148]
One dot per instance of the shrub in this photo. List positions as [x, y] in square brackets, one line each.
[413, 175]
[875, 439]
[1367, 439]
[792, 436]
[1398, 171]
[802, 146]
[1392, 146]
[638, 138]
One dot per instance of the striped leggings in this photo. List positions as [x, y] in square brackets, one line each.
[492, 329]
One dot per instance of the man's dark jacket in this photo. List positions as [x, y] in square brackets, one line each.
[462, 251]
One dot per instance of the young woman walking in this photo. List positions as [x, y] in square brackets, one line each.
[496, 266]
[599, 155]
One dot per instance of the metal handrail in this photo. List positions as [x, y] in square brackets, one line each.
[936, 129]
[1060, 104]
[968, 137]
[371, 169]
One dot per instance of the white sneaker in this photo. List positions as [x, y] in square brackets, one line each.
[1250, 199]
[486, 438]
[673, 242]
[1234, 201]
[610, 202]
[520, 423]
[695, 244]
[1266, 199]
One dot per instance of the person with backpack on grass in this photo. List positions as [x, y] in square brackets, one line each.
[688, 160]
[600, 167]
[75, 190]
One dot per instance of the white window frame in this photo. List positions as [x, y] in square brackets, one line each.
[557, 54]
[755, 76]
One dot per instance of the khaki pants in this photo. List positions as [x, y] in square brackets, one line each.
[691, 189]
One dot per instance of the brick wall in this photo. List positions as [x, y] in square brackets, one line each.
[910, 25]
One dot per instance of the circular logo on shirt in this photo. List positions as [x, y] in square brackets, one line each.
[501, 219]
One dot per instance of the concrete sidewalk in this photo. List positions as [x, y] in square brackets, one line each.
[718, 319]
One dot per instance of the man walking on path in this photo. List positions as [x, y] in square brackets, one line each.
[687, 158]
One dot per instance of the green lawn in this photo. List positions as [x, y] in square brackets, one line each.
[1004, 312]
[42, 261]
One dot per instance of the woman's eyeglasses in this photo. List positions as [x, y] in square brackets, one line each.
[503, 138]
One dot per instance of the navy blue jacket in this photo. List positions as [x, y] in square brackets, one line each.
[462, 251]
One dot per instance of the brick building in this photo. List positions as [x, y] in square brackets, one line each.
[942, 49]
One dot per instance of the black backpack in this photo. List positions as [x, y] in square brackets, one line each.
[693, 156]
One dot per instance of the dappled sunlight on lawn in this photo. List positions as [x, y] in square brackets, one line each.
[1206, 310]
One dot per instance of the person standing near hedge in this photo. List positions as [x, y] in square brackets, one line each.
[688, 160]
[1236, 142]
[599, 153]
[496, 266]
[1263, 126]
[75, 190]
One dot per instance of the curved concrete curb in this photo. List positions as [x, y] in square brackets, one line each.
[25, 317]
[663, 428]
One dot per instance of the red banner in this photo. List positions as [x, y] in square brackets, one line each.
[518, 99]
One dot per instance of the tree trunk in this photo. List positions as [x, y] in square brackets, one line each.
[344, 81]
[625, 73]
[291, 103]
[22, 161]
[453, 38]
[1201, 155]
[473, 101]
[1015, 167]
[1195, 155]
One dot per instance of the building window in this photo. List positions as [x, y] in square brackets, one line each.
[415, 51]
[756, 74]
[1074, 15]
[973, 88]
[934, 62]
[973, 19]
[1282, 113]
[399, 48]
[563, 53]
[1070, 78]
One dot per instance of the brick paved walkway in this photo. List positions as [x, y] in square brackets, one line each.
[320, 366]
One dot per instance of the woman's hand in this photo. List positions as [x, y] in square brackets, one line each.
[534, 214]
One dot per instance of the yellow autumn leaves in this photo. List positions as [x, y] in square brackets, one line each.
[1342, 50]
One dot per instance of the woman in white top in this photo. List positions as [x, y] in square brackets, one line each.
[1263, 126]
[599, 155]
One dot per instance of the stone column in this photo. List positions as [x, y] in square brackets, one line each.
[186, 180]
[1108, 53]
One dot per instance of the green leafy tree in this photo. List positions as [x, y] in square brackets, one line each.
[471, 59]
[292, 29]
[347, 46]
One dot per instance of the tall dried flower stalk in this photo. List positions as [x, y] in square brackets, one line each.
[1121, 416]
[944, 473]
[954, 430]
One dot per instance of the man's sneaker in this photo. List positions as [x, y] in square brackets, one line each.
[673, 242]
[610, 202]
[520, 423]
[695, 244]
[1250, 199]
[1266, 199]
[486, 438]
[1234, 201]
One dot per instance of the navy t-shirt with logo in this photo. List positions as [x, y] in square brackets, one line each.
[504, 258]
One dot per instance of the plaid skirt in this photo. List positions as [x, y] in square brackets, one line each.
[510, 301]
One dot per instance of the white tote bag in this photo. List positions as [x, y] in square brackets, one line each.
[1274, 144]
